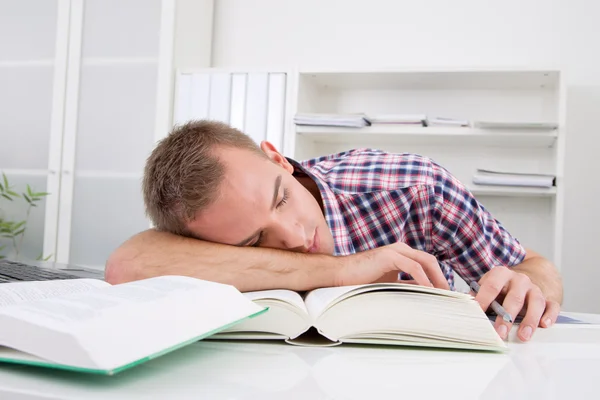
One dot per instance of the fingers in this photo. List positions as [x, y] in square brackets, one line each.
[536, 305]
[428, 264]
[521, 295]
[414, 269]
[550, 315]
[491, 285]
[513, 303]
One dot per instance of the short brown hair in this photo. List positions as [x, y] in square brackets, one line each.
[183, 173]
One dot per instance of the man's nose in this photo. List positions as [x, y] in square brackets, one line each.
[293, 237]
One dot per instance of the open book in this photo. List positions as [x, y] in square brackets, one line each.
[90, 326]
[379, 313]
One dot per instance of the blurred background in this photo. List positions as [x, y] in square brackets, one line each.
[87, 87]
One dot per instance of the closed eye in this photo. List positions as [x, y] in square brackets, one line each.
[284, 199]
[258, 241]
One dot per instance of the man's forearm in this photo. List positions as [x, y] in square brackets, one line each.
[153, 253]
[543, 274]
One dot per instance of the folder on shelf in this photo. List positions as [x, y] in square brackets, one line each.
[499, 178]
[344, 120]
[442, 121]
[514, 125]
[400, 119]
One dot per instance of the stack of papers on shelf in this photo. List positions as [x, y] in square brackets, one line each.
[440, 121]
[498, 178]
[401, 119]
[514, 125]
[344, 120]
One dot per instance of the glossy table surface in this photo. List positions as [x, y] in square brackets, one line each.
[560, 362]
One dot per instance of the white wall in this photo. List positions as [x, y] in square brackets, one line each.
[399, 33]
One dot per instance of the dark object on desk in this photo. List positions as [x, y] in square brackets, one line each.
[562, 319]
[12, 271]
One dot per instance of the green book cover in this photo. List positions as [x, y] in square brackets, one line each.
[49, 364]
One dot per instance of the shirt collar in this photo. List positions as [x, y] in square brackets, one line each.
[333, 213]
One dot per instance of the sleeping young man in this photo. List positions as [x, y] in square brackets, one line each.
[228, 210]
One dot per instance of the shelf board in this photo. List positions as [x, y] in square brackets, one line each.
[466, 79]
[98, 174]
[115, 61]
[488, 190]
[27, 63]
[389, 134]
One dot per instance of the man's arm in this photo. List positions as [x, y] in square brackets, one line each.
[543, 274]
[478, 247]
[153, 253]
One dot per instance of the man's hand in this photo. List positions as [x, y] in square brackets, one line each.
[519, 296]
[382, 263]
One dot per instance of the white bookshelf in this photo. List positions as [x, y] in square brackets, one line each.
[533, 215]
[489, 190]
[424, 135]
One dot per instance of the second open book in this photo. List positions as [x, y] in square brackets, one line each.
[399, 314]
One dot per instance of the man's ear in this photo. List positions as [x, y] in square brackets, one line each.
[269, 149]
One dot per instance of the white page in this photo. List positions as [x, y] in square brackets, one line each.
[287, 316]
[123, 323]
[288, 296]
[17, 292]
[318, 300]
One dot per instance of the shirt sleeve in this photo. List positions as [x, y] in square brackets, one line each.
[466, 237]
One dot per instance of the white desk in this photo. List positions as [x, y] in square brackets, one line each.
[561, 362]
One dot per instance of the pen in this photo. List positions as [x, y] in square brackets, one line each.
[498, 309]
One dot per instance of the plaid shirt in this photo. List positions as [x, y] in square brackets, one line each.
[373, 198]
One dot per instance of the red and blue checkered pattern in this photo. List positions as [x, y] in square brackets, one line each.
[373, 198]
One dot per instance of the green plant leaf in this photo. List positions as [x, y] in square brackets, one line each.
[33, 205]
[42, 258]
[14, 194]
[1, 188]
[29, 192]
[6, 185]
[20, 232]
[6, 197]
[41, 194]
[19, 225]
[27, 198]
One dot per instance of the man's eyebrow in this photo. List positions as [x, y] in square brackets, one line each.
[273, 204]
[276, 191]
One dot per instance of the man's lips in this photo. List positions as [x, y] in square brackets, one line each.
[315, 243]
